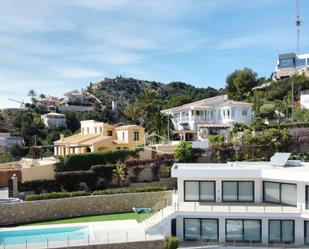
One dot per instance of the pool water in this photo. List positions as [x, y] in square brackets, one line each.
[41, 235]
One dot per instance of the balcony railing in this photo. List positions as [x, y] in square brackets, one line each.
[237, 207]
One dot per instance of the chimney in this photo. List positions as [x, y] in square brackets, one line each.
[61, 136]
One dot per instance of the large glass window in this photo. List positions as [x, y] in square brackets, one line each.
[286, 63]
[238, 191]
[300, 63]
[243, 230]
[191, 191]
[281, 231]
[201, 229]
[306, 232]
[281, 193]
[199, 191]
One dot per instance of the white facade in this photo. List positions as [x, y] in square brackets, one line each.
[304, 99]
[247, 202]
[216, 115]
[6, 140]
[55, 120]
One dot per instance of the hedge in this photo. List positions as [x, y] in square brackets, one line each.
[129, 190]
[55, 195]
[58, 195]
[85, 161]
[75, 180]
[39, 186]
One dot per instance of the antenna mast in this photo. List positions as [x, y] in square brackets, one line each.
[298, 24]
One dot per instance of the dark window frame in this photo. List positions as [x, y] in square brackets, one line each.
[305, 231]
[243, 230]
[199, 191]
[280, 193]
[280, 241]
[253, 192]
[306, 197]
[200, 221]
[136, 136]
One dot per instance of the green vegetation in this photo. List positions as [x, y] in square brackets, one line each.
[85, 161]
[96, 218]
[129, 190]
[216, 140]
[59, 195]
[171, 243]
[55, 195]
[183, 152]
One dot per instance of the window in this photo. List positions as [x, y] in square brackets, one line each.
[110, 133]
[306, 232]
[95, 130]
[300, 63]
[243, 230]
[286, 63]
[244, 112]
[238, 191]
[307, 197]
[201, 229]
[136, 135]
[123, 135]
[199, 191]
[281, 231]
[280, 193]
[197, 113]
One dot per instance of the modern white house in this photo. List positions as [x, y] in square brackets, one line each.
[7, 141]
[289, 64]
[240, 202]
[54, 120]
[197, 120]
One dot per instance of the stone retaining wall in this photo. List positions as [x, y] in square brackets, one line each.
[32, 211]
[155, 244]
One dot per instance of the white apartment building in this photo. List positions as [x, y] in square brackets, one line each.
[289, 64]
[241, 202]
[54, 120]
[304, 99]
[216, 115]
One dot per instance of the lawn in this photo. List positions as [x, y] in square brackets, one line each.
[94, 218]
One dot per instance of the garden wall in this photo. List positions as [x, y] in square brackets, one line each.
[32, 211]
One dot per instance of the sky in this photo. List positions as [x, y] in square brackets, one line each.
[53, 46]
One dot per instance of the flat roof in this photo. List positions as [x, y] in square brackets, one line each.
[241, 170]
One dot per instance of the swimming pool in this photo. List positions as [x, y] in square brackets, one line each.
[41, 235]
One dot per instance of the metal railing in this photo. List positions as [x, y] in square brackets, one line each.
[237, 207]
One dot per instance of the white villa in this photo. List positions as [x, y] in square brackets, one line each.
[289, 64]
[195, 121]
[242, 202]
[54, 120]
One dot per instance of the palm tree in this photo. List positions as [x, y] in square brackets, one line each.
[31, 93]
[120, 173]
[133, 113]
[42, 96]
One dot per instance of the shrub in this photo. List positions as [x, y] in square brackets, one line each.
[129, 190]
[183, 152]
[55, 195]
[216, 140]
[39, 186]
[85, 161]
[171, 243]
[70, 181]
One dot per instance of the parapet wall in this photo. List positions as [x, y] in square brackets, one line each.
[32, 211]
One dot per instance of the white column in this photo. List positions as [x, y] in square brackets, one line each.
[221, 230]
[218, 190]
[264, 231]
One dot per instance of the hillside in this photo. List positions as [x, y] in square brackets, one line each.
[124, 91]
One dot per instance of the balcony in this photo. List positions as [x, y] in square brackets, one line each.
[237, 207]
